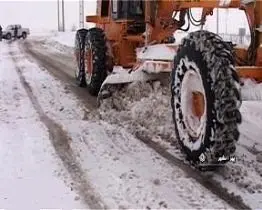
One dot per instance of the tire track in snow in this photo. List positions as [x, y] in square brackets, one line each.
[60, 69]
[61, 143]
[209, 183]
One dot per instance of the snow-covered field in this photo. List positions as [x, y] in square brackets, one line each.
[60, 154]
[67, 38]
[60, 41]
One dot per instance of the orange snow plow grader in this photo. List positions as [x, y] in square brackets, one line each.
[133, 41]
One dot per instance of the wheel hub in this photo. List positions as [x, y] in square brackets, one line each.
[193, 101]
[198, 104]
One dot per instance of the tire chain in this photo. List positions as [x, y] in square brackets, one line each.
[226, 104]
[96, 40]
[80, 46]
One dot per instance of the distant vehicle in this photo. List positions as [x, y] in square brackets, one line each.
[9, 32]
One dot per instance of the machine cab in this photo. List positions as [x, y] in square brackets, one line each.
[123, 9]
[128, 10]
[132, 11]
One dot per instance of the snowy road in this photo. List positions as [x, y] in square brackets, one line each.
[101, 161]
[32, 175]
[151, 123]
[102, 158]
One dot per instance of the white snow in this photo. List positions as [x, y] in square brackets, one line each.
[41, 33]
[31, 174]
[251, 90]
[63, 105]
[157, 52]
[65, 38]
[61, 42]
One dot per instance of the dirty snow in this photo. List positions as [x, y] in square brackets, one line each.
[102, 152]
[117, 163]
[147, 106]
[120, 169]
[251, 90]
[144, 179]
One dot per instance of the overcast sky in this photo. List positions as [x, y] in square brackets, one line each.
[42, 14]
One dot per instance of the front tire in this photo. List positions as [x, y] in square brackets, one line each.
[80, 39]
[96, 59]
[204, 67]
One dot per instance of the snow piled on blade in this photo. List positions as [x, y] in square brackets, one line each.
[156, 52]
[251, 90]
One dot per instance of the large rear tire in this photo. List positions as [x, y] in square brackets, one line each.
[204, 67]
[80, 39]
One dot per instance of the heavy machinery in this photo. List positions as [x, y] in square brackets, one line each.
[137, 36]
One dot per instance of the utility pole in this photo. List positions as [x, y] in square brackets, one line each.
[217, 20]
[81, 14]
[63, 15]
[58, 15]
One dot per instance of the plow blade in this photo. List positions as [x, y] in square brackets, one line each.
[145, 71]
[116, 80]
[121, 78]
[153, 63]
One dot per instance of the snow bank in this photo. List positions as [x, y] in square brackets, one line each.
[251, 90]
[62, 42]
[65, 38]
